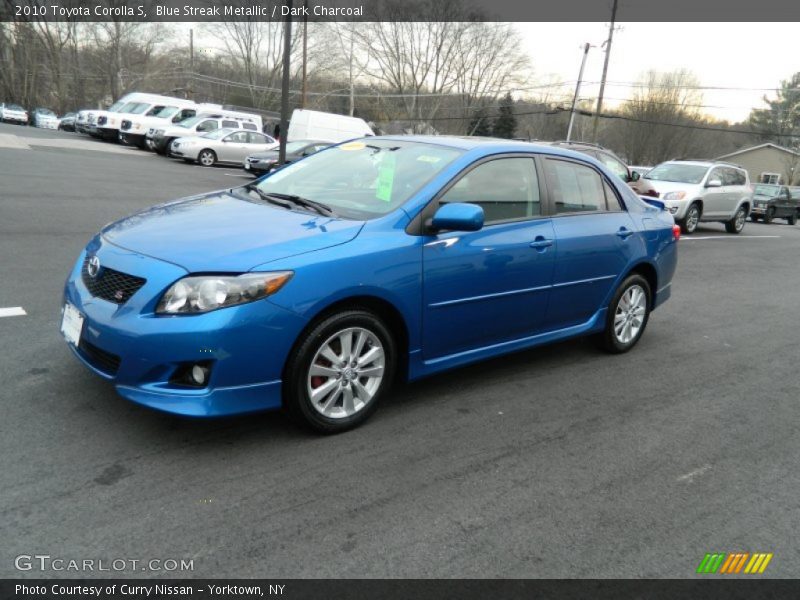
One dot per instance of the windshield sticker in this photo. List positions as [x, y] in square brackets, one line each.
[428, 159]
[385, 178]
[350, 146]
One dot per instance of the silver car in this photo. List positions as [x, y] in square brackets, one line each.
[221, 146]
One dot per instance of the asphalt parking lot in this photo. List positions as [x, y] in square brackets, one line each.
[557, 462]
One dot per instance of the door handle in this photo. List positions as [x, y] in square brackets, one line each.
[624, 233]
[541, 243]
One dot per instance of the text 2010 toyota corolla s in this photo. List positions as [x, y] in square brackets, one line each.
[379, 259]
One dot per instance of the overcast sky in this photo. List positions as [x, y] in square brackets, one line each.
[739, 55]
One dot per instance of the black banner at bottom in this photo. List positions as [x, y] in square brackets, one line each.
[390, 589]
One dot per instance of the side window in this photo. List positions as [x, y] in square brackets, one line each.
[741, 177]
[186, 113]
[240, 137]
[256, 138]
[574, 187]
[612, 200]
[210, 125]
[155, 110]
[233, 124]
[250, 126]
[716, 173]
[506, 188]
[616, 167]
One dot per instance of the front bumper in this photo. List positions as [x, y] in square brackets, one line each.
[15, 119]
[758, 210]
[245, 346]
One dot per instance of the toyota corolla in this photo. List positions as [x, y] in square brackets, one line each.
[383, 259]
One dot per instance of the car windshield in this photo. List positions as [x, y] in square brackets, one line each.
[295, 146]
[767, 190]
[218, 134]
[139, 108]
[116, 106]
[14, 107]
[362, 179]
[46, 112]
[190, 122]
[677, 172]
[125, 108]
[166, 112]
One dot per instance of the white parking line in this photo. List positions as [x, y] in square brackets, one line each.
[727, 237]
[14, 311]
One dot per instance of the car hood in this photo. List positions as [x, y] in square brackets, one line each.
[226, 232]
[663, 187]
[268, 155]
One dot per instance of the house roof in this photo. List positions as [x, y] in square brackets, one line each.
[751, 148]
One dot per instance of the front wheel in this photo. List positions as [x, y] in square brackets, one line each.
[736, 224]
[340, 370]
[754, 218]
[770, 214]
[792, 220]
[692, 218]
[627, 316]
[207, 158]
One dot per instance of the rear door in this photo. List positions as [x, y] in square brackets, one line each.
[595, 241]
[717, 200]
[235, 147]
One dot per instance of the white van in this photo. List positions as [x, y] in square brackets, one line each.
[316, 125]
[133, 127]
[108, 122]
[159, 138]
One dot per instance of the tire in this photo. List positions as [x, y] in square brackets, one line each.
[736, 224]
[207, 158]
[344, 399]
[792, 220]
[769, 215]
[754, 218]
[689, 222]
[625, 326]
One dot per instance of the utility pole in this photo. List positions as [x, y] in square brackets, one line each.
[189, 90]
[586, 47]
[287, 46]
[305, 54]
[605, 71]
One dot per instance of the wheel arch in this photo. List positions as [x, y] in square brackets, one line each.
[380, 307]
[650, 273]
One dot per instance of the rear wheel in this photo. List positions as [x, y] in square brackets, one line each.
[770, 214]
[341, 369]
[736, 224]
[207, 158]
[692, 218]
[627, 316]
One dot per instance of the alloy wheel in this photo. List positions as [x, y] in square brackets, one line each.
[346, 372]
[630, 313]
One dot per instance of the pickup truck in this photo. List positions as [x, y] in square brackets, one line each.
[772, 201]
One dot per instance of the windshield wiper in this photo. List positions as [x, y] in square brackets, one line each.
[319, 207]
[252, 187]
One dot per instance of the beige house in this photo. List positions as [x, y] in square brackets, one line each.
[768, 160]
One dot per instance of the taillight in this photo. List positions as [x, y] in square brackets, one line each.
[676, 232]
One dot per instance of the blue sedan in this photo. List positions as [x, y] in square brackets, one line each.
[382, 259]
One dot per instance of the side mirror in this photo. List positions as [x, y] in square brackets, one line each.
[634, 176]
[458, 216]
[713, 183]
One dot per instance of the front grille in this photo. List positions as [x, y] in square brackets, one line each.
[126, 124]
[102, 120]
[111, 285]
[100, 359]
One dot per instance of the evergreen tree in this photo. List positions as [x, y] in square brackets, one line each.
[506, 123]
[480, 124]
[781, 120]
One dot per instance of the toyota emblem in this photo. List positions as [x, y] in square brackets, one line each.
[93, 267]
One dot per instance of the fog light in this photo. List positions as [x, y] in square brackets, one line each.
[199, 374]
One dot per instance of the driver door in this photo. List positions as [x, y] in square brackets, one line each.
[489, 286]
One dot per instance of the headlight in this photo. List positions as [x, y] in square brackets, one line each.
[674, 196]
[193, 295]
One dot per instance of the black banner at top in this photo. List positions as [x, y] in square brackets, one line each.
[401, 10]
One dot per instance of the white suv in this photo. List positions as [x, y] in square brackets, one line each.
[696, 190]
